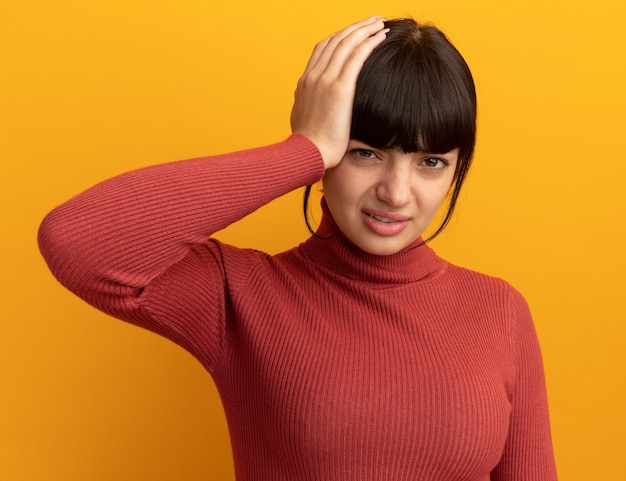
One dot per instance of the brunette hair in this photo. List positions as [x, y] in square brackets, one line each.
[416, 93]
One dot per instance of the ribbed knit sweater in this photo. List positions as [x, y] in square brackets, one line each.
[332, 364]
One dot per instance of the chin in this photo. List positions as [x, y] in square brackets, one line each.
[382, 250]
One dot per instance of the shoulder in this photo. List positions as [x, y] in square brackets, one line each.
[241, 266]
[235, 257]
[492, 298]
[480, 292]
[478, 282]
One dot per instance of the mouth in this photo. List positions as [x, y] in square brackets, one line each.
[379, 218]
[385, 223]
[386, 217]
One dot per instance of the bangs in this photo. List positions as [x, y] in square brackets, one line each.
[415, 93]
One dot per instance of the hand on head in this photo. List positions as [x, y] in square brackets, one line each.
[324, 97]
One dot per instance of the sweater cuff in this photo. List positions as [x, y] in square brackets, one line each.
[311, 161]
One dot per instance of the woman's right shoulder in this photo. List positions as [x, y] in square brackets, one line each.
[241, 265]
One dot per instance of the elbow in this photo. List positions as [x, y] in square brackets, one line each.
[58, 241]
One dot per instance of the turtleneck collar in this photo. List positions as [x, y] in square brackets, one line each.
[331, 249]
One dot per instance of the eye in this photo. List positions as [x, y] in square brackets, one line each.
[434, 163]
[364, 155]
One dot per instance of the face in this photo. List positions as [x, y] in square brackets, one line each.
[384, 199]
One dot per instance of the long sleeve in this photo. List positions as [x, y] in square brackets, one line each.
[111, 242]
[528, 453]
[332, 364]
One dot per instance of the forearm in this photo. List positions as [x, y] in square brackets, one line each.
[124, 232]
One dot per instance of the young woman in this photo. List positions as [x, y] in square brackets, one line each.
[358, 355]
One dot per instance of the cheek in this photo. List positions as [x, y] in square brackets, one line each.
[432, 198]
[440, 195]
[330, 189]
[338, 187]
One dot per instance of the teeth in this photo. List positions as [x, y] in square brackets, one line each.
[382, 219]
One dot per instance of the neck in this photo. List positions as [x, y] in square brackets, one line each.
[335, 252]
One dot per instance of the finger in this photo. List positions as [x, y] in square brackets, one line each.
[354, 63]
[341, 47]
[315, 56]
[325, 49]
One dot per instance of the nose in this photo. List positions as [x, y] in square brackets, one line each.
[394, 187]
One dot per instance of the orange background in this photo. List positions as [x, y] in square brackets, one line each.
[91, 89]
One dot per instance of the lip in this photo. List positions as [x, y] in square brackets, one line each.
[386, 215]
[385, 223]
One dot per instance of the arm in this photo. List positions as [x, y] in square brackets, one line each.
[114, 244]
[135, 246]
[94, 241]
[528, 454]
[110, 242]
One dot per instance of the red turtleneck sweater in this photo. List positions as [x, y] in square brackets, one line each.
[332, 364]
